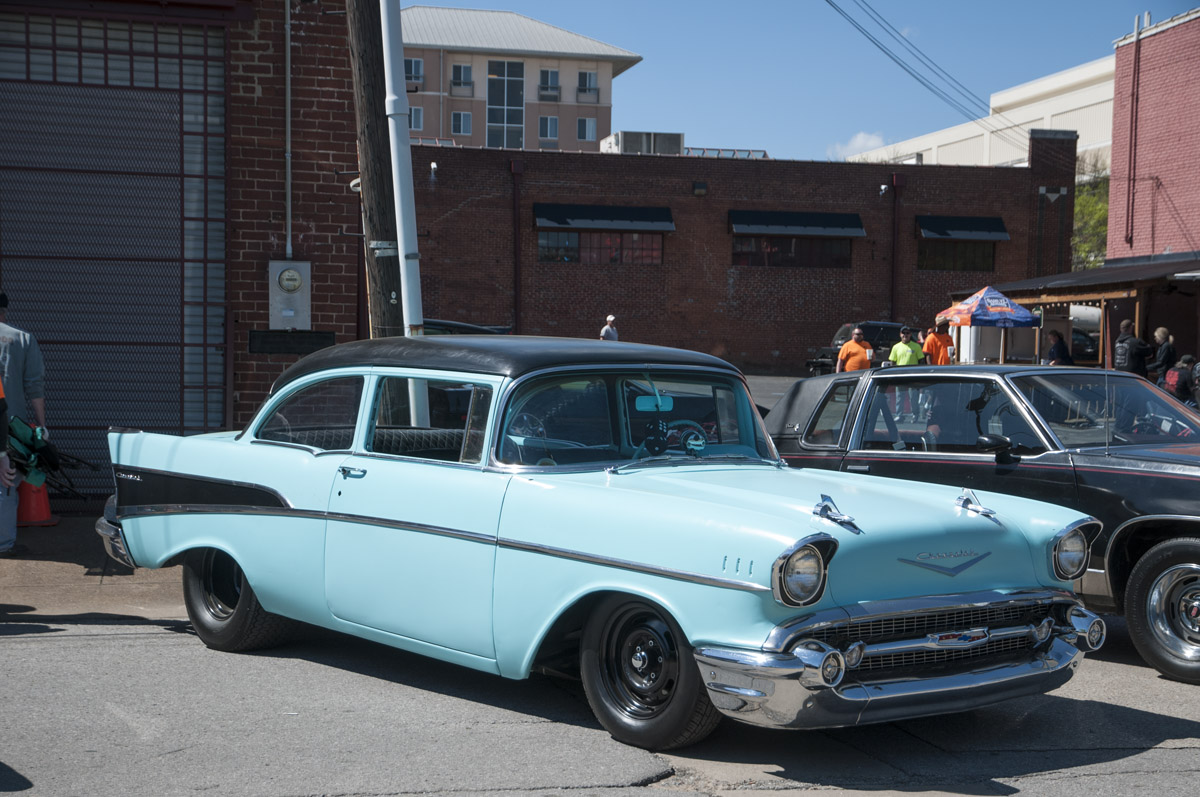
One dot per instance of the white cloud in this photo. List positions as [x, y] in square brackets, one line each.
[859, 142]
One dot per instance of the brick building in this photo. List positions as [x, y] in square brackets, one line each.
[144, 192]
[1154, 202]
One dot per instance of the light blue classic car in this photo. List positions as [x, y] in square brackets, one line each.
[614, 510]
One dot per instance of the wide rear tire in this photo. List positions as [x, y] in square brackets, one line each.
[223, 609]
[640, 677]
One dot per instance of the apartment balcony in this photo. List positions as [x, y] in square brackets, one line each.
[462, 88]
[590, 95]
[549, 93]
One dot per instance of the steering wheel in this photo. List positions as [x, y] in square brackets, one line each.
[526, 424]
[687, 431]
[1161, 425]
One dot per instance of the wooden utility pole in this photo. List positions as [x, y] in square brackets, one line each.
[375, 169]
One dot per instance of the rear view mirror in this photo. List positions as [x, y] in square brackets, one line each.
[657, 403]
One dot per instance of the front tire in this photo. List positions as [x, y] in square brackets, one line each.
[1162, 606]
[640, 677]
[224, 611]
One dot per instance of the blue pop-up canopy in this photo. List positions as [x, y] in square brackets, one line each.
[988, 308]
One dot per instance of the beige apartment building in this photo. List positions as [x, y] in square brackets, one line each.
[1079, 99]
[500, 79]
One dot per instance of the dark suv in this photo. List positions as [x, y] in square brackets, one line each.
[882, 335]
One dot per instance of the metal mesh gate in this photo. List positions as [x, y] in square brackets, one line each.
[112, 224]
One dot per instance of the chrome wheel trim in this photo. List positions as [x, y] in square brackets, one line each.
[222, 582]
[1173, 610]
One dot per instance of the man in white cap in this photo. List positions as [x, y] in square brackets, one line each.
[609, 332]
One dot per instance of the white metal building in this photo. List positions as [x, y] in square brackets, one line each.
[1078, 99]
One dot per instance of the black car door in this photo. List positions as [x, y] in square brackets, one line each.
[925, 428]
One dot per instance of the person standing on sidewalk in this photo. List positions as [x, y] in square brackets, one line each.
[1131, 352]
[855, 354]
[23, 375]
[609, 330]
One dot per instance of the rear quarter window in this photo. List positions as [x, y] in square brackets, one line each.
[830, 417]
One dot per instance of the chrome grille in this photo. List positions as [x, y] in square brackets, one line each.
[931, 658]
[910, 626]
[919, 626]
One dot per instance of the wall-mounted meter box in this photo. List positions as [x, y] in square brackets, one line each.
[289, 285]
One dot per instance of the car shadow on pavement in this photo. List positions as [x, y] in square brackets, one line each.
[973, 753]
[21, 620]
[557, 699]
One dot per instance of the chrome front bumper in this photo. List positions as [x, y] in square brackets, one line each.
[114, 540]
[800, 688]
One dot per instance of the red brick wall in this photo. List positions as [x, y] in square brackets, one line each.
[767, 320]
[1165, 193]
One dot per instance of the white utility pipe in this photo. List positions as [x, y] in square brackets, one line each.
[396, 106]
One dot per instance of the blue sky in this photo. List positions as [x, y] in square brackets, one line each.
[796, 79]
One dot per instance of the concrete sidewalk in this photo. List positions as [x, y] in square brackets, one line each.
[67, 577]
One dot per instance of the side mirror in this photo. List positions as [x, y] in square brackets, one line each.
[996, 444]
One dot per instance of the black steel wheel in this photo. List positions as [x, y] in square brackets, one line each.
[224, 611]
[640, 677]
[1162, 606]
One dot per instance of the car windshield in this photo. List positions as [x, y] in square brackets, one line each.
[615, 418]
[1100, 408]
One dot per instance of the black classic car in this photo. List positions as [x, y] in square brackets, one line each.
[1106, 443]
[882, 335]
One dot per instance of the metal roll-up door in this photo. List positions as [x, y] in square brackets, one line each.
[113, 224]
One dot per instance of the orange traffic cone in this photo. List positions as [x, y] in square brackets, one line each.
[33, 508]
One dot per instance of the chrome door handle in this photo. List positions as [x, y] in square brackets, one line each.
[351, 473]
[858, 468]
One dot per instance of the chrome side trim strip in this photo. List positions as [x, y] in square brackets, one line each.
[625, 564]
[441, 531]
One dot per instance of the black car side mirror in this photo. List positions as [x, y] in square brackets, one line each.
[996, 444]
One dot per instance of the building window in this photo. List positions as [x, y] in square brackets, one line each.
[506, 104]
[416, 118]
[548, 89]
[548, 128]
[600, 248]
[460, 75]
[589, 88]
[791, 251]
[414, 70]
[942, 255]
[586, 129]
[460, 123]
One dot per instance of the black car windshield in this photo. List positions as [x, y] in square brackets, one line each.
[613, 418]
[1102, 408]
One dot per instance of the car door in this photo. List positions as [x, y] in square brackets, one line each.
[411, 538]
[925, 428]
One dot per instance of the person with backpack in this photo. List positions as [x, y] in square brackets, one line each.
[1130, 352]
[1179, 381]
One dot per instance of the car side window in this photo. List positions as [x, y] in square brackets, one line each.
[321, 415]
[559, 422]
[830, 417]
[453, 431]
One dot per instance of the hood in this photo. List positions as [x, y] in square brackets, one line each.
[909, 539]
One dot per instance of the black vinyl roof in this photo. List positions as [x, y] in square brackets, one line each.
[503, 355]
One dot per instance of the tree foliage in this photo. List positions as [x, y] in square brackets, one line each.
[1089, 240]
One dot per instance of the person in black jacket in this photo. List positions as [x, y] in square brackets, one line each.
[1129, 352]
[1165, 357]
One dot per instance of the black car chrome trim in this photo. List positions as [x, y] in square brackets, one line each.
[624, 564]
[784, 635]
[1136, 521]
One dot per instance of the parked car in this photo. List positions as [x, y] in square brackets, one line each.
[514, 504]
[1103, 442]
[438, 326]
[882, 335]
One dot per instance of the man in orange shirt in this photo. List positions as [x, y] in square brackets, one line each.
[855, 354]
[939, 346]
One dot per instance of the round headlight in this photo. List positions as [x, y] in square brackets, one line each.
[1070, 555]
[803, 575]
